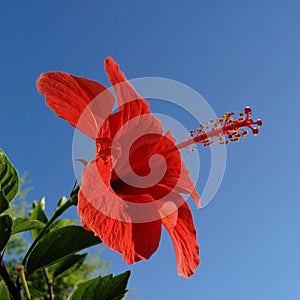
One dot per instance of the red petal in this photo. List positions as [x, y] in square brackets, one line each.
[97, 203]
[183, 234]
[138, 122]
[125, 93]
[131, 105]
[68, 96]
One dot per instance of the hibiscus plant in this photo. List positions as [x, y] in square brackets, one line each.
[124, 211]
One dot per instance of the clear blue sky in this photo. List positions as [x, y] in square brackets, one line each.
[235, 53]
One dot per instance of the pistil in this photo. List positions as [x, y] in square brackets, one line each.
[223, 130]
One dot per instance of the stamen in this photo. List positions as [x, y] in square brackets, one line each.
[224, 130]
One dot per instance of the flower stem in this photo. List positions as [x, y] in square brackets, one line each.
[20, 270]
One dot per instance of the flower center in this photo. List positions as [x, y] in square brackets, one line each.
[223, 130]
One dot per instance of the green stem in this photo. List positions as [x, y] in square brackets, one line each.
[20, 270]
[72, 201]
[49, 284]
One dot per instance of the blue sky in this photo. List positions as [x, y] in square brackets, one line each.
[234, 53]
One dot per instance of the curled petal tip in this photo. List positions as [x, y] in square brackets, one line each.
[109, 59]
[196, 198]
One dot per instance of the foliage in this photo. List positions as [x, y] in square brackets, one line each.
[53, 265]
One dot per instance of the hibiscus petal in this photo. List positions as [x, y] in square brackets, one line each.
[84, 103]
[145, 235]
[128, 98]
[132, 107]
[183, 235]
[129, 121]
[108, 215]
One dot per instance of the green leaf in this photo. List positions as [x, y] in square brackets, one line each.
[4, 204]
[5, 230]
[103, 288]
[38, 213]
[58, 244]
[9, 180]
[61, 223]
[73, 262]
[4, 293]
[24, 224]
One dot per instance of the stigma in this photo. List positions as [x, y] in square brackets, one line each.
[224, 130]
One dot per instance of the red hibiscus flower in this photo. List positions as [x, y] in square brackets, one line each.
[134, 183]
[107, 204]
